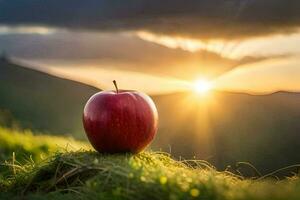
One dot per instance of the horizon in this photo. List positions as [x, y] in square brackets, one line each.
[190, 89]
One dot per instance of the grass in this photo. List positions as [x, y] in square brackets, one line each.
[85, 174]
[25, 143]
[21, 147]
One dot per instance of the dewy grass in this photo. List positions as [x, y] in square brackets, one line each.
[85, 174]
[149, 175]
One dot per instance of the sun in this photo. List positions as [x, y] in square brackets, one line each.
[202, 86]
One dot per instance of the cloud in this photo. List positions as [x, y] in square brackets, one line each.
[205, 19]
[6, 30]
[263, 47]
[111, 50]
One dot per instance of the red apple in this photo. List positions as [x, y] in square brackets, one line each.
[120, 121]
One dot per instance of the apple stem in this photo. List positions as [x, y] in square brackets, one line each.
[116, 86]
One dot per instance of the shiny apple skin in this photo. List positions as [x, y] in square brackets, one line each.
[126, 121]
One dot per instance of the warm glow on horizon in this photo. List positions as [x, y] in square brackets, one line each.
[202, 86]
[262, 77]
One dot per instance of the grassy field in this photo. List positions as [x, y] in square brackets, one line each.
[25, 144]
[47, 167]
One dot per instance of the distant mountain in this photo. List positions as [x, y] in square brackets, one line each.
[40, 101]
[223, 127]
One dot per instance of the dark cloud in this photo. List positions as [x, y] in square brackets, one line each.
[231, 19]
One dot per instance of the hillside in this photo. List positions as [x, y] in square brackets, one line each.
[40, 101]
[149, 175]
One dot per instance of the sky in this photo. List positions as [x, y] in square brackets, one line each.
[158, 46]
